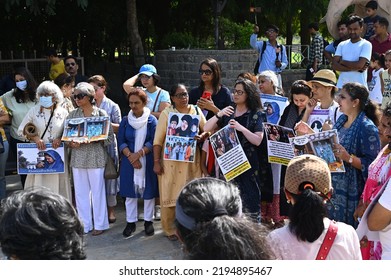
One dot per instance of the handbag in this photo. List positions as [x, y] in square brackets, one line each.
[327, 241]
[111, 169]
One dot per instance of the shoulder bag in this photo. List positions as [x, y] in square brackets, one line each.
[327, 241]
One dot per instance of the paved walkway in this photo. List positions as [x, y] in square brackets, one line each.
[111, 245]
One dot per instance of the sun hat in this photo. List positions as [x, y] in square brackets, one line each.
[325, 77]
[148, 69]
[308, 171]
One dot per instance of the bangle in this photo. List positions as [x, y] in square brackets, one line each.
[140, 154]
[143, 152]
[155, 160]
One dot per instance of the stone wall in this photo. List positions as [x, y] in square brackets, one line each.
[182, 66]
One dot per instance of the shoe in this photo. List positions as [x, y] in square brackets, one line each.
[149, 230]
[172, 237]
[157, 212]
[96, 232]
[129, 229]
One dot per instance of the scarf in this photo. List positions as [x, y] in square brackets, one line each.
[140, 125]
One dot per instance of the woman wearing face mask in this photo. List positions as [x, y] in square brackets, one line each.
[48, 118]
[18, 102]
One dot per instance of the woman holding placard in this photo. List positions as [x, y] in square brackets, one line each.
[247, 119]
[174, 174]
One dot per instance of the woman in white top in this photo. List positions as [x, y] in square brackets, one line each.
[307, 187]
[48, 117]
[158, 98]
[323, 86]
[380, 220]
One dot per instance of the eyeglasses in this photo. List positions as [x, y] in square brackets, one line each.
[270, 31]
[238, 92]
[79, 96]
[181, 95]
[206, 72]
[70, 64]
[96, 88]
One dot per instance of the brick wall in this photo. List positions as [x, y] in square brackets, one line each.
[182, 66]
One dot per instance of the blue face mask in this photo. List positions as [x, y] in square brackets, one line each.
[46, 101]
[22, 85]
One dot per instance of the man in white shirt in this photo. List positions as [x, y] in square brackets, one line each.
[352, 56]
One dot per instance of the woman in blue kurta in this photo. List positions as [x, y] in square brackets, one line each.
[135, 141]
[359, 146]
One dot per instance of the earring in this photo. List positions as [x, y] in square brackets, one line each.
[288, 201]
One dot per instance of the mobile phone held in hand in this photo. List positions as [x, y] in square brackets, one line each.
[207, 95]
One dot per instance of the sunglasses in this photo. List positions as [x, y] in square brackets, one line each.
[205, 72]
[181, 95]
[70, 64]
[79, 96]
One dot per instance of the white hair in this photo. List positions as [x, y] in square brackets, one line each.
[52, 88]
[270, 76]
[86, 88]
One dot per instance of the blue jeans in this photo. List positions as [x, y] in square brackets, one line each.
[3, 161]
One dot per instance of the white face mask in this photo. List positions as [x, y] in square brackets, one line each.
[22, 85]
[46, 101]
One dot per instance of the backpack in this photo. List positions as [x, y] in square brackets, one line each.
[256, 67]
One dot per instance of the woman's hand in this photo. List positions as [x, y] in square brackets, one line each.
[40, 144]
[234, 124]
[133, 157]
[340, 152]
[227, 111]
[56, 143]
[311, 105]
[360, 209]
[137, 164]
[302, 128]
[74, 145]
[203, 136]
[158, 168]
[206, 104]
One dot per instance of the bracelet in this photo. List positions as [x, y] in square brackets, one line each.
[143, 152]
[155, 160]
[140, 154]
[217, 115]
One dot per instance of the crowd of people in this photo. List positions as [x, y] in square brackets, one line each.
[165, 158]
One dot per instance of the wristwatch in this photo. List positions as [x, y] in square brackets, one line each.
[351, 159]
[217, 116]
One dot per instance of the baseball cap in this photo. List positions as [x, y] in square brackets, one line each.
[307, 170]
[148, 69]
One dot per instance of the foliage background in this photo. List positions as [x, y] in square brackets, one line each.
[97, 29]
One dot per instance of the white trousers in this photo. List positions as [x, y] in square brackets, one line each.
[131, 209]
[90, 194]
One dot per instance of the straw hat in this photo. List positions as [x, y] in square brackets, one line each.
[325, 77]
[306, 171]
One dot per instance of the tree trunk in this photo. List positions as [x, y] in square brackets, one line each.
[136, 43]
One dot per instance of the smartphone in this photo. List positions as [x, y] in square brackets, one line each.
[207, 95]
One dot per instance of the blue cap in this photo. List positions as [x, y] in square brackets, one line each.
[148, 69]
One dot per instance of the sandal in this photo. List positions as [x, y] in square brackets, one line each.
[172, 237]
[96, 232]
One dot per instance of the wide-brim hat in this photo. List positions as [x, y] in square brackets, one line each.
[147, 69]
[307, 169]
[325, 77]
